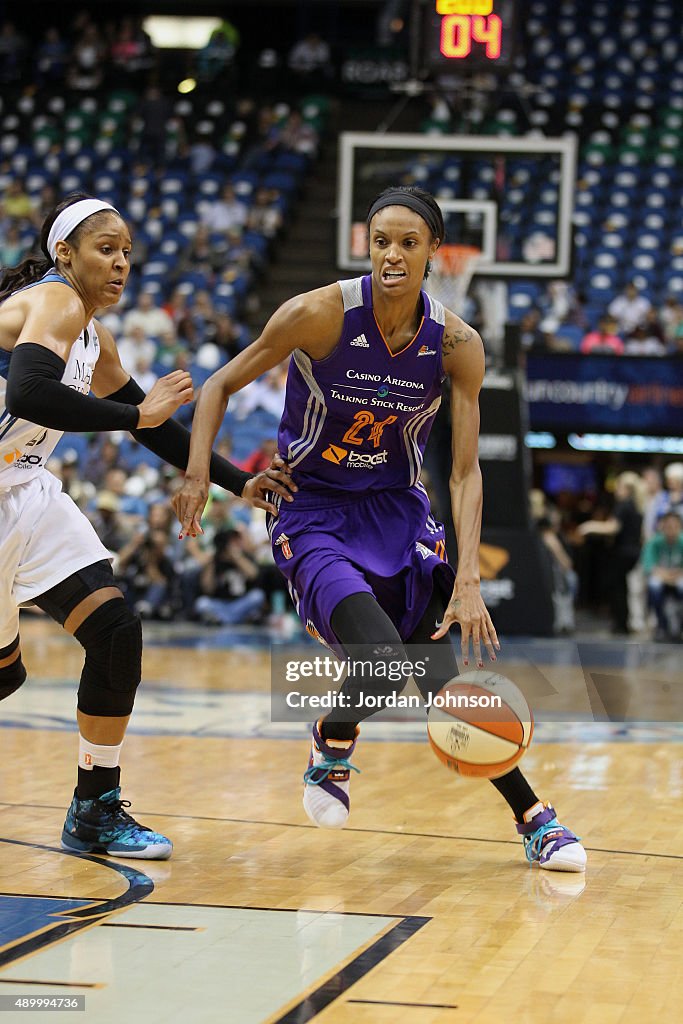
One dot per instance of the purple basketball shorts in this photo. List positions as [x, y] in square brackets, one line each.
[386, 544]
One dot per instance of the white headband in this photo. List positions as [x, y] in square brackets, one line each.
[69, 219]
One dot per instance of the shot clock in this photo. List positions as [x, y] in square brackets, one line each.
[468, 34]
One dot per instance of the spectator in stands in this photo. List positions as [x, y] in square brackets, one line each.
[219, 517]
[229, 597]
[50, 61]
[16, 206]
[202, 255]
[604, 341]
[142, 371]
[531, 337]
[106, 519]
[216, 60]
[131, 506]
[565, 579]
[88, 59]
[12, 248]
[136, 347]
[663, 567]
[565, 304]
[309, 60]
[264, 217]
[670, 499]
[131, 53]
[225, 213]
[671, 317]
[261, 457]
[154, 109]
[552, 340]
[176, 306]
[676, 343]
[153, 320]
[147, 573]
[624, 528]
[104, 454]
[47, 200]
[629, 309]
[295, 136]
[80, 490]
[231, 337]
[652, 488]
[201, 155]
[199, 325]
[240, 255]
[644, 342]
[267, 393]
[13, 48]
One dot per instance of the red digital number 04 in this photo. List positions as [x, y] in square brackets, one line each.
[459, 30]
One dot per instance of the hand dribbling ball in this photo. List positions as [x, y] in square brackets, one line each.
[480, 725]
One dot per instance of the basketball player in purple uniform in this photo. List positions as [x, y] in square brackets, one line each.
[364, 559]
[52, 354]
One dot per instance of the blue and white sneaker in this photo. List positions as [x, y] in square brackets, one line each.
[547, 843]
[101, 825]
[327, 780]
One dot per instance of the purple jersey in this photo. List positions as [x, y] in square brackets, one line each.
[359, 419]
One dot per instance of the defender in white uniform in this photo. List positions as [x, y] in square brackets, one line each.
[52, 354]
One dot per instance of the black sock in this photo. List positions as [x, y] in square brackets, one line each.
[517, 792]
[93, 782]
[337, 730]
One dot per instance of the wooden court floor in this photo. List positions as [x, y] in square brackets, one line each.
[422, 911]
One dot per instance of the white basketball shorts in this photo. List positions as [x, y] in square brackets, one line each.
[44, 537]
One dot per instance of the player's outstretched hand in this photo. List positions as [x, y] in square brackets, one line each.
[467, 607]
[188, 504]
[277, 479]
[167, 395]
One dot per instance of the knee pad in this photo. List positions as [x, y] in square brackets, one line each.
[112, 639]
[11, 677]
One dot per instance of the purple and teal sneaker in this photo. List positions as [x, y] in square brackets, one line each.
[547, 843]
[101, 825]
[327, 780]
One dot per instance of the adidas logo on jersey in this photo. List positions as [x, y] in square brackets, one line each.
[361, 342]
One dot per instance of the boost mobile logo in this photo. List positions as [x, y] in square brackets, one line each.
[356, 460]
[335, 454]
[359, 461]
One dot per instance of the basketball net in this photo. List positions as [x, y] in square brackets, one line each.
[451, 275]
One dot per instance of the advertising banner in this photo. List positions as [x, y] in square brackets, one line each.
[611, 394]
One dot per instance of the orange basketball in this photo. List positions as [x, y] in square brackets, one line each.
[479, 724]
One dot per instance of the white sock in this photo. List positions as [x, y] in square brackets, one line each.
[91, 755]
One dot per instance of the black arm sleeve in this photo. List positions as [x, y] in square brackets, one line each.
[35, 392]
[171, 442]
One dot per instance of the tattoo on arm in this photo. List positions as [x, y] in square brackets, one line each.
[455, 335]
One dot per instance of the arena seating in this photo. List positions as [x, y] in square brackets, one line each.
[613, 74]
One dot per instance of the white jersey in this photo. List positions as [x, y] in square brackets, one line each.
[25, 447]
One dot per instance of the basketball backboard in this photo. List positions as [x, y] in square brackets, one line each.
[511, 197]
